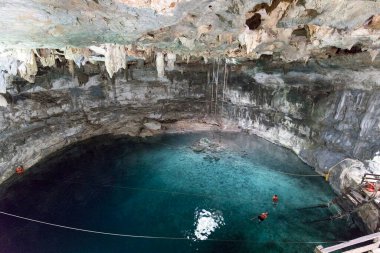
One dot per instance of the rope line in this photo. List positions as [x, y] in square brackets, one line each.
[147, 236]
[92, 231]
[295, 174]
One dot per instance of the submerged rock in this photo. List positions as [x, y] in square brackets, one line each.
[211, 158]
[206, 145]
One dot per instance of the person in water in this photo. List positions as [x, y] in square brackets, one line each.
[20, 170]
[275, 200]
[262, 216]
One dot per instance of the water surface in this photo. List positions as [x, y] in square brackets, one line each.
[161, 187]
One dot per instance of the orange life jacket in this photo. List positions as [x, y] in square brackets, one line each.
[275, 199]
[263, 216]
[370, 187]
[19, 170]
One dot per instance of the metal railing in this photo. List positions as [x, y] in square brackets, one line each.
[374, 245]
[368, 177]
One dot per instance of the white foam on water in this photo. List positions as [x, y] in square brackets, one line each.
[206, 222]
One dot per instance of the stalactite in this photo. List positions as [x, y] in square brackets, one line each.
[208, 83]
[171, 58]
[212, 85]
[46, 57]
[79, 55]
[28, 67]
[116, 58]
[160, 65]
[216, 87]
[224, 86]
[71, 67]
[212, 96]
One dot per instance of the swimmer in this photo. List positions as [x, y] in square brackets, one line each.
[275, 200]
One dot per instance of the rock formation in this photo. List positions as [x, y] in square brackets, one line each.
[300, 73]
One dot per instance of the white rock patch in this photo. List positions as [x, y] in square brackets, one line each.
[3, 102]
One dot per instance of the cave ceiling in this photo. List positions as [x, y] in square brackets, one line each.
[102, 30]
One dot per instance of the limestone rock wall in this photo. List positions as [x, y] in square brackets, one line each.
[59, 109]
[323, 115]
[330, 117]
[323, 110]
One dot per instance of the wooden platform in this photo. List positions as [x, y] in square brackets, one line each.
[353, 198]
[350, 201]
[374, 245]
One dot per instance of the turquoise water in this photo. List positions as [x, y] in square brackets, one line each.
[161, 187]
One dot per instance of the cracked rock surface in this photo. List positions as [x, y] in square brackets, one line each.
[290, 29]
[303, 74]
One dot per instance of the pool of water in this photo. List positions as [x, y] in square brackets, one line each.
[200, 202]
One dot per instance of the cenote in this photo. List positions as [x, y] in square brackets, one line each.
[160, 187]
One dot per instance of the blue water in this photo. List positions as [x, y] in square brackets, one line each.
[161, 187]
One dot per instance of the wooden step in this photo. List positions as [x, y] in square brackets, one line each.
[358, 196]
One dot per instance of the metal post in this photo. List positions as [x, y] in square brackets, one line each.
[318, 249]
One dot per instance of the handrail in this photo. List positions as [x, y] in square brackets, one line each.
[370, 176]
[320, 249]
[373, 175]
[327, 175]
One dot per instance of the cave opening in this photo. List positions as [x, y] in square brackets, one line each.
[301, 32]
[254, 21]
[357, 48]
[302, 75]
